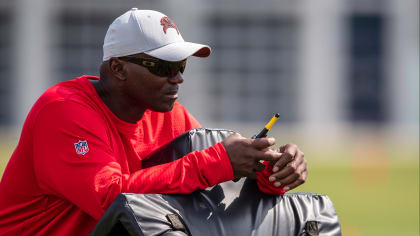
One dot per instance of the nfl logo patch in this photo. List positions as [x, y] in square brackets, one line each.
[81, 147]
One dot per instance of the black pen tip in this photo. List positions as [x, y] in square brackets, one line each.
[277, 115]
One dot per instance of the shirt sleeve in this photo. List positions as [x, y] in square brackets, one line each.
[196, 170]
[74, 160]
[264, 184]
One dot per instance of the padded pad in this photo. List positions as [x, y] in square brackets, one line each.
[230, 208]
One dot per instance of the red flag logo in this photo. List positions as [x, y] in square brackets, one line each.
[167, 23]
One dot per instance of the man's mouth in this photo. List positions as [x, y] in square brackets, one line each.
[172, 94]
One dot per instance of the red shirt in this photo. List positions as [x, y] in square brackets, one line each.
[75, 156]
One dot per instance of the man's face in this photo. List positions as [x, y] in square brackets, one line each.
[143, 88]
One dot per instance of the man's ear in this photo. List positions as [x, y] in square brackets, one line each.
[116, 67]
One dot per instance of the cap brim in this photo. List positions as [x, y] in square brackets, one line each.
[180, 51]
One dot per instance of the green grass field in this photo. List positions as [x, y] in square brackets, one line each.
[378, 197]
[368, 204]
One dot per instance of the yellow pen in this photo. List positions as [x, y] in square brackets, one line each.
[267, 127]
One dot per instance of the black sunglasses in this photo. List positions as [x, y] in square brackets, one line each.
[158, 67]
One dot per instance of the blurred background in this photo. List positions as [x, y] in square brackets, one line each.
[343, 74]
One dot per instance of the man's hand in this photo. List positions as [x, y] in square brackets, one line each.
[245, 154]
[291, 169]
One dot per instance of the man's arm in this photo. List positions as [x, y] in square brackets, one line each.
[92, 177]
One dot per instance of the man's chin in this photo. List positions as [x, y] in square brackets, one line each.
[165, 108]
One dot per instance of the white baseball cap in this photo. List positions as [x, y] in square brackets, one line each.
[149, 32]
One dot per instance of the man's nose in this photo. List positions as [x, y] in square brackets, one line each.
[177, 79]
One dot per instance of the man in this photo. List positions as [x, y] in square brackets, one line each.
[84, 140]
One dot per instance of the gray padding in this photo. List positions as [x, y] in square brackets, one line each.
[225, 209]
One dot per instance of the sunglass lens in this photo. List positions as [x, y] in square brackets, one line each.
[168, 69]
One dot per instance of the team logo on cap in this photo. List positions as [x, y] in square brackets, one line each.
[166, 22]
[81, 147]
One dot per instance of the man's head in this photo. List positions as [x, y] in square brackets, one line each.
[137, 86]
[144, 56]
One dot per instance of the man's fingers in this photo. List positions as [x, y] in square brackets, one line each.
[288, 157]
[290, 170]
[282, 162]
[286, 171]
[266, 149]
[290, 174]
[290, 167]
[292, 177]
[291, 149]
[297, 182]
[289, 153]
[262, 143]
[282, 148]
[267, 156]
[235, 135]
